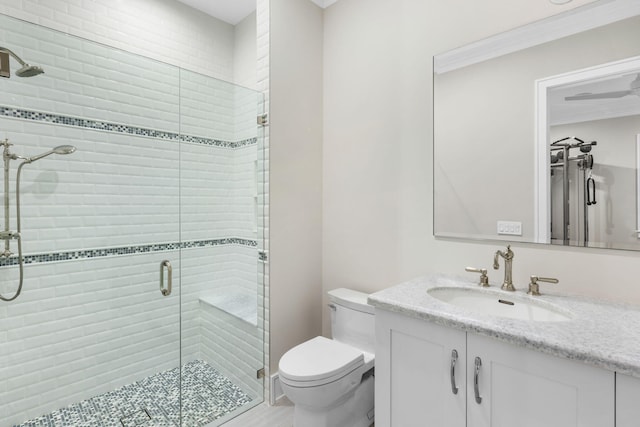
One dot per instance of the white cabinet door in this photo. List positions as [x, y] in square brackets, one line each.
[525, 388]
[414, 384]
[627, 401]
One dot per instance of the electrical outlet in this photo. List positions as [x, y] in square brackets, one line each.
[510, 228]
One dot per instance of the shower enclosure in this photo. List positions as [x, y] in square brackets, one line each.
[573, 190]
[165, 189]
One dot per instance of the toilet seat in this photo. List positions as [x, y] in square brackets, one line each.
[319, 361]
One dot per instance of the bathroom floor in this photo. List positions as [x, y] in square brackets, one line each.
[263, 415]
[279, 415]
[155, 402]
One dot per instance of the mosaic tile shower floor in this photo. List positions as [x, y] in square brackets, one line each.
[155, 402]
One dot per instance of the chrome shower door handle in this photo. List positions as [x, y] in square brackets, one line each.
[454, 359]
[165, 264]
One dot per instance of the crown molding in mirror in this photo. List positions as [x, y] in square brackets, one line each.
[574, 21]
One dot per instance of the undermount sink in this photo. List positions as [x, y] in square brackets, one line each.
[498, 303]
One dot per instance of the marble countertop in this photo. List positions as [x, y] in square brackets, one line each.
[600, 334]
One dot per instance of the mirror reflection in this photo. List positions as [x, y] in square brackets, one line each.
[557, 167]
[594, 123]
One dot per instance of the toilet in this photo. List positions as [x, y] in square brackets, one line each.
[330, 381]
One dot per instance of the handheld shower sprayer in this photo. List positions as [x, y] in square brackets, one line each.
[61, 149]
[7, 235]
[27, 70]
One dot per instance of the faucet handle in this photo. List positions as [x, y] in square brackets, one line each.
[484, 279]
[534, 289]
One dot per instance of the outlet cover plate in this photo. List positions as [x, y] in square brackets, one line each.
[510, 228]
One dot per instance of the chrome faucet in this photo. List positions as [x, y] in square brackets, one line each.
[507, 285]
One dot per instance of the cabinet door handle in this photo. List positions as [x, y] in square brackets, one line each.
[454, 359]
[165, 264]
[476, 377]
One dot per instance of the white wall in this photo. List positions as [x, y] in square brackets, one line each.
[295, 179]
[377, 152]
[245, 52]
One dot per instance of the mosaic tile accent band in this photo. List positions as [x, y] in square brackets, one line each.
[18, 113]
[203, 393]
[124, 250]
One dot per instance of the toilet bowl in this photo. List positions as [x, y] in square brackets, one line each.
[331, 381]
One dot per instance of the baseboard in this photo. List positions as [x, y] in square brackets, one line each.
[276, 389]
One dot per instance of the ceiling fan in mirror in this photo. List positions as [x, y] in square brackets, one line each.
[634, 89]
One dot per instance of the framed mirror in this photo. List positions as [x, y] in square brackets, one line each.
[500, 104]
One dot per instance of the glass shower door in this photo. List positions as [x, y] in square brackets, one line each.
[165, 185]
[222, 293]
[94, 338]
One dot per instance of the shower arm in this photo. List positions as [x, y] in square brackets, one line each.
[16, 57]
[26, 70]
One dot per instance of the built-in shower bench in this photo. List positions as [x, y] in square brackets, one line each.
[238, 302]
[230, 338]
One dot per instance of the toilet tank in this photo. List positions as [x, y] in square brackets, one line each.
[352, 319]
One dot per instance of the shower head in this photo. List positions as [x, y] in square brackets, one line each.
[29, 71]
[62, 149]
[26, 70]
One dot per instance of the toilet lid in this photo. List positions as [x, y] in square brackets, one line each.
[319, 359]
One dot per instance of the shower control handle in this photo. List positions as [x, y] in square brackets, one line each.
[165, 264]
[8, 235]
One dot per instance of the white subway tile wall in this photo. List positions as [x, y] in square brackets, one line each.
[165, 30]
[115, 190]
[164, 156]
[91, 81]
[233, 346]
[82, 328]
[205, 101]
[205, 327]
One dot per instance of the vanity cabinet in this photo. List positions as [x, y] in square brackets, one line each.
[525, 388]
[627, 401]
[414, 371]
[515, 386]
